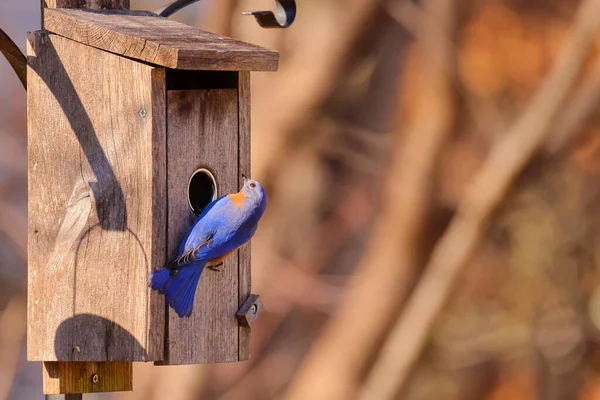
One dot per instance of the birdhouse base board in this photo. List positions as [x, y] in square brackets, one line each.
[66, 377]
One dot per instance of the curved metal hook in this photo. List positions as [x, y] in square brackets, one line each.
[174, 7]
[283, 17]
[16, 59]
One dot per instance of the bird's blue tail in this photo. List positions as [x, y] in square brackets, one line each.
[178, 286]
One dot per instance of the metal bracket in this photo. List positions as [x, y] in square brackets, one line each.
[249, 311]
[283, 17]
[16, 59]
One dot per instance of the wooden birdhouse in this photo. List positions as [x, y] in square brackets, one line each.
[135, 123]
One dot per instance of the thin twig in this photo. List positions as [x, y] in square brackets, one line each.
[482, 197]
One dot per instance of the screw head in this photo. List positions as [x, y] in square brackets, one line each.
[143, 113]
[254, 309]
[95, 378]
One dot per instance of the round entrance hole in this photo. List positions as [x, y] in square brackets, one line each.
[202, 189]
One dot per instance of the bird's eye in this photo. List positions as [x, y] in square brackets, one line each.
[252, 185]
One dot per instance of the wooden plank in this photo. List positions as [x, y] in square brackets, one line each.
[244, 253]
[96, 147]
[60, 377]
[124, 378]
[202, 132]
[158, 40]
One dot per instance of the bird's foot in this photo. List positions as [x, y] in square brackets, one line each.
[215, 267]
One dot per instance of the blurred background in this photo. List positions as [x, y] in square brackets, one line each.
[433, 226]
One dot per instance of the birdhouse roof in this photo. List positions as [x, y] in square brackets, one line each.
[147, 37]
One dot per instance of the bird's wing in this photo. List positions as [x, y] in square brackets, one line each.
[189, 256]
[202, 233]
[228, 236]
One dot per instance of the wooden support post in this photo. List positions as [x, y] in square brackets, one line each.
[65, 377]
[64, 396]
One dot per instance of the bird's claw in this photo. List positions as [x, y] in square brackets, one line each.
[215, 267]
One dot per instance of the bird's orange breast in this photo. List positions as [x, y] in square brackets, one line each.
[237, 199]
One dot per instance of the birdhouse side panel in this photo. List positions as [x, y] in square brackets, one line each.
[96, 143]
[203, 133]
[244, 253]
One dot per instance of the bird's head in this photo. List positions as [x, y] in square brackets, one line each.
[253, 189]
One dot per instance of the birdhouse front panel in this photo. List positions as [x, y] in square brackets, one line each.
[97, 203]
[203, 133]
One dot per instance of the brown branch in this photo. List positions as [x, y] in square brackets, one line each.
[407, 13]
[570, 122]
[482, 197]
[15, 58]
[336, 364]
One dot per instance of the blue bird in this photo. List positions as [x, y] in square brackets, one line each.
[224, 225]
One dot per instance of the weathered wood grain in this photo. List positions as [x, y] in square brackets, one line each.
[244, 253]
[202, 132]
[64, 376]
[60, 377]
[158, 40]
[96, 146]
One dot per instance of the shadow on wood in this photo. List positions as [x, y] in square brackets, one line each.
[112, 214]
[79, 339]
